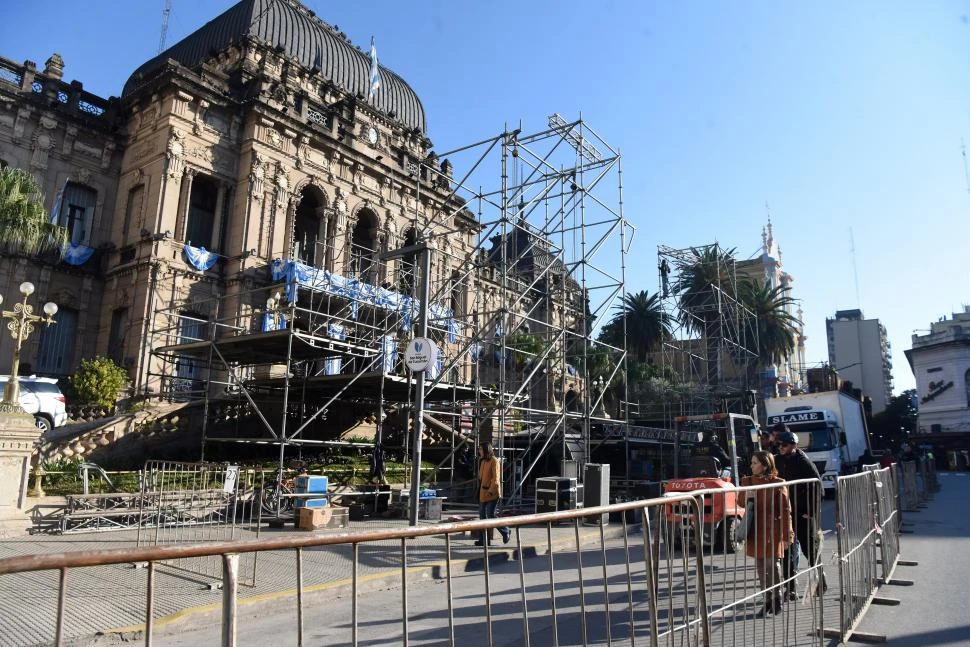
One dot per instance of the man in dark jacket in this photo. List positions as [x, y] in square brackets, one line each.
[793, 465]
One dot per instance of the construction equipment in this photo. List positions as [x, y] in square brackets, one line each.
[737, 435]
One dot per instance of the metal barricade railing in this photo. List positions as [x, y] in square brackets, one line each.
[680, 577]
[199, 503]
[752, 596]
[859, 532]
[887, 519]
[909, 486]
[927, 477]
[660, 594]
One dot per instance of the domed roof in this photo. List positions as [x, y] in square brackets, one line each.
[292, 27]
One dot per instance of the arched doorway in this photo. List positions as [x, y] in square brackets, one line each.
[363, 247]
[310, 228]
[407, 267]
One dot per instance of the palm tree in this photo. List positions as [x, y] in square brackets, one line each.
[643, 320]
[25, 226]
[704, 282]
[777, 328]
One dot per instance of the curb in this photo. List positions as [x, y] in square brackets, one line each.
[203, 615]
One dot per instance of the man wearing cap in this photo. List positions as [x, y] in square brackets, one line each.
[793, 465]
[776, 431]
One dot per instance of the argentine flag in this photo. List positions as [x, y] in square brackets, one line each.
[375, 73]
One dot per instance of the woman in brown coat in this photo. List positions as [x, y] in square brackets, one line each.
[772, 531]
[490, 490]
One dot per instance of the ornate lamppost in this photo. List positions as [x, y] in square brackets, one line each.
[20, 323]
[18, 432]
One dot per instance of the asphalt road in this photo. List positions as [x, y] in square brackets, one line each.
[935, 609]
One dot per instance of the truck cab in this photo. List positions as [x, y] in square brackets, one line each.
[820, 436]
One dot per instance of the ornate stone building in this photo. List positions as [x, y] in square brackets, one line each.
[244, 188]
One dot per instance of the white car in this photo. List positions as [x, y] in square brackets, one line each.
[42, 398]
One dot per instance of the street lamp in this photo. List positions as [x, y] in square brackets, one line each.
[21, 324]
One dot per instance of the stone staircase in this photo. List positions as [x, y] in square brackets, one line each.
[79, 439]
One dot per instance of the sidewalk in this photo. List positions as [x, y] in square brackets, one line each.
[111, 599]
[933, 611]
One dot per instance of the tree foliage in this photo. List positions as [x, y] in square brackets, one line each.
[890, 428]
[642, 318]
[776, 327]
[700, 279]
[25, 226]
[98, 381]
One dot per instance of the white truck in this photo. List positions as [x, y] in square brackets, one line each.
[831, 429]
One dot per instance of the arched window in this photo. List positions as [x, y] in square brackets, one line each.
[456, 295]
[76, 211]
[363, 247]
[310, 229]
[407, 267]
[56, 353]
[136, 200]
[202, 212]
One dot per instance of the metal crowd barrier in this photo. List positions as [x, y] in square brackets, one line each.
[192, 503]
[909, 483]
[868, 521]
[857, 523]
[886, 495]
[927, 470]
[679, 578]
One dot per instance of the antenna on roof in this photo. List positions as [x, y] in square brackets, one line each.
[165, 13]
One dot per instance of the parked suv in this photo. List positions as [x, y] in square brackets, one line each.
[42, 398]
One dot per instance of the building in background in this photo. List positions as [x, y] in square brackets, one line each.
[860, 351]
[940, 361]
[787, 377]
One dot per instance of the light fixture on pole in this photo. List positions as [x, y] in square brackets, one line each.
[21, 324]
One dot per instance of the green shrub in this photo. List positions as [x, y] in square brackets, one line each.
[98, 381]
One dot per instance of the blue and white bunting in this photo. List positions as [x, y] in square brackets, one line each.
[200, 258]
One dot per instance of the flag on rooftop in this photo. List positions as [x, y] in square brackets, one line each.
[375, 73]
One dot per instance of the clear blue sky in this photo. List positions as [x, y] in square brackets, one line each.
[839, 115]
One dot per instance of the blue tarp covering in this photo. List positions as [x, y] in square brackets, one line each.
[298, 275]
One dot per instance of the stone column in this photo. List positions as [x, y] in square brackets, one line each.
[18, 435]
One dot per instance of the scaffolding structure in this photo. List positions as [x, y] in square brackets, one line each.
[712, 351]
[320, 335]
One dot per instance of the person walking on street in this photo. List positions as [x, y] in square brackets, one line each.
[489, 491]
[772, 529]
[793, 465]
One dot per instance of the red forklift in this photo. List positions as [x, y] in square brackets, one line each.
[721, 438]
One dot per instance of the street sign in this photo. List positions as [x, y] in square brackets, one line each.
[420, 354]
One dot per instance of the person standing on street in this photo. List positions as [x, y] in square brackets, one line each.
[772, 528]
[793, 465]
[489, 491]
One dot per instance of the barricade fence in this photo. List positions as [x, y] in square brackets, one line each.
[886, 495]
[857, 524]
[200, 503]
[687, 575]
